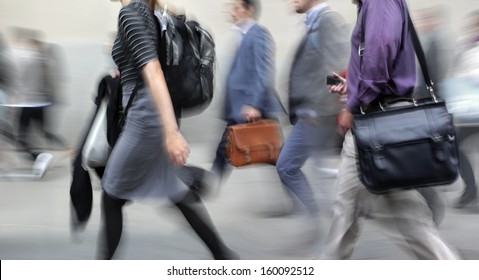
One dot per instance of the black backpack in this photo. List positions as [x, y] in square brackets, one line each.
[187, 55]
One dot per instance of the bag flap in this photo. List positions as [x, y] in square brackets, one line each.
[256, 135]
[403, 124]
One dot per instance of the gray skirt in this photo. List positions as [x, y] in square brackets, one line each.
[138, 166]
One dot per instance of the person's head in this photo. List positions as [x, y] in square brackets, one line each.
[244, 9]
[302, 6]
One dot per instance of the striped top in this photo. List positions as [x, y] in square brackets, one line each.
[136, 41]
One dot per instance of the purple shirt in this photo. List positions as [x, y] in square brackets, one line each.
[389, 66]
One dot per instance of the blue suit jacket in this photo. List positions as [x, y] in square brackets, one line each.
[250, 80]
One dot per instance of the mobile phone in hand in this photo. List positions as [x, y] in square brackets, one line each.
[333, 80]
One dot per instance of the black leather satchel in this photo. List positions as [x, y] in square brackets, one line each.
[407, 146]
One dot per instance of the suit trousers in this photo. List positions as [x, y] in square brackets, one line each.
[304, 140]
[409, 209]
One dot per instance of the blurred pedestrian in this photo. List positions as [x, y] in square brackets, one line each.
[435, 37]
[35, 87]
[5, 82]
[387, 46]
[29, 77]
[250, 84]
[4, 71]
[312, 109]
[150, 150]
[466, 71]
[6, 130]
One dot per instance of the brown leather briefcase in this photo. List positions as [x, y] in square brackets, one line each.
[257, 142]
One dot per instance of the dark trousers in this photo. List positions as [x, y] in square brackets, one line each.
[465, 168]
[221, 166]
[29, 115]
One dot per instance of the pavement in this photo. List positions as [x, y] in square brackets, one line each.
[35, 218]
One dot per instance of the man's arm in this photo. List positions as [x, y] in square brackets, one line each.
[383, 27]
[263, 59]
[263, 55]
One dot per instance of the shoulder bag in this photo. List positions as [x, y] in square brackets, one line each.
[106, 126]
[97, 150]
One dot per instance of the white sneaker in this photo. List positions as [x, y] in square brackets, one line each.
[41, 164]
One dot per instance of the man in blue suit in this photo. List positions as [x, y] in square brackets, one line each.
[250, 94]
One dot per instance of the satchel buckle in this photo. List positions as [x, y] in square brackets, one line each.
[363, 109]
[247, 156]
[381, 106]
[431, 92]
[361, 49]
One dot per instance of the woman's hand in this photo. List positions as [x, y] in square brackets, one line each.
[176, 147]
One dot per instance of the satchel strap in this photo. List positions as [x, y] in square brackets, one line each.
[417, 48]
[421, 57]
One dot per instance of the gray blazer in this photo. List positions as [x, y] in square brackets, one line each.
[250, 80]
[323, 49]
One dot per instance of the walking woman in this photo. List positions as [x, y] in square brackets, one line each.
[150, 149]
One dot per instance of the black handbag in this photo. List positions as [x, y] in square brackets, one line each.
[407, 146]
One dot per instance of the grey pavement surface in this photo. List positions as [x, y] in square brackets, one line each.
[35, 218]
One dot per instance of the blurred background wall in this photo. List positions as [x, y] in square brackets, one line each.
[83, 28]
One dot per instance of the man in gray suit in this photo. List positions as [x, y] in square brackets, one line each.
[312, 108]
[250, 93]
